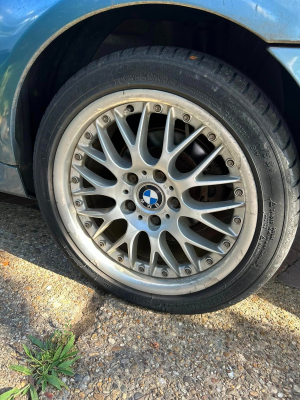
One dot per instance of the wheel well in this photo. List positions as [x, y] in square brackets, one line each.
[145, 25]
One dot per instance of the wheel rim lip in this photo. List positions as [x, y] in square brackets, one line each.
[100, 261]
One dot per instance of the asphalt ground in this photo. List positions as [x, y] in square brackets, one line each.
[248, 351]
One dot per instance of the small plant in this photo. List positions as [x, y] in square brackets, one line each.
[46, 362]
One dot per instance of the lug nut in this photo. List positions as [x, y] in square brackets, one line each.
[102, 243]
[75, 179]
[88, 135]
[174, 202]
[120, 258]
[157, 108]
[159, 176]
[186, 118]
[230, 163]
[188, 270]
[132, 178]
[155, 220]
[211, 137]
[130, 205]
[141, 268]
[78, 203]
[129, 109]
[164, 272]
[209, 261]
[78, 157]
[226, 244]
[105, 119]
[239, 192]
[237, 220]
[87, 224]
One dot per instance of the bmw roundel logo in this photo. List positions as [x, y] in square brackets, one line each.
[150, 196]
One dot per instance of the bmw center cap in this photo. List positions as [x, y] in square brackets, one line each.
[150, 197]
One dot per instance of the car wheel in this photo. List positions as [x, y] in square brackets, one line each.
[168, 178]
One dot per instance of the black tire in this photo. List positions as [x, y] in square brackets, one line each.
[247, 114]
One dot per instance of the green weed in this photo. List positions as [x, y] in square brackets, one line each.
[46, 362]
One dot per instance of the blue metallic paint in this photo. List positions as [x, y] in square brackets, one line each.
[10, 180]
[290, 58]
[28, 26]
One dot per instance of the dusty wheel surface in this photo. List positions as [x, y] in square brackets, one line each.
[168, 178]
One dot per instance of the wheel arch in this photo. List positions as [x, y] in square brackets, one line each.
[32, 96]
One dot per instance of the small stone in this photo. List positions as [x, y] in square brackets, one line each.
[111, 341]
[297, 388]
[116, 348]
[231, 375]
[123, 388]
[162, 381]
[81, 395]
[280, 395]
[49, 287]
[253, 393]
[48, 395]
[99, 396]
[138, 395]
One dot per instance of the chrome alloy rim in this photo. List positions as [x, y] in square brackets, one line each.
[155, 192]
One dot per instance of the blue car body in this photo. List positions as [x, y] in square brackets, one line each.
[27, 27]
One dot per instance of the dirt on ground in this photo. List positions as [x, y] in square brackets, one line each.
[248, 351]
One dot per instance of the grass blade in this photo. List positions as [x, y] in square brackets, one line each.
[37, 342]
[54, 381]
[68, 346]
[44, 385]
[27, 351]
[9, 394]
[20, 368]
[68, 372]
[33, 393]
[58, 353]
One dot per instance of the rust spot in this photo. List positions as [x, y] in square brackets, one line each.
[193, 57]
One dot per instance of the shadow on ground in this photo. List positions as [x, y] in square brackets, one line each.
[127, 352]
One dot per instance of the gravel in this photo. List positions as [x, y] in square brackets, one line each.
[248, 351]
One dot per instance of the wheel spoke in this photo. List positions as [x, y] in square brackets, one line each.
[168, 144]
[217, 206]
[194, 209]
[191, 254]
[131, 239]
[124, 129]
[102, 186]
[93, 153]
[108, 215]
[183, 145]
[207, 161]
[194, 239]
[217, 225]
[84, 192]
[141, 148]
[113, 159]
[160, 247]
[196, 177]
[209, 180]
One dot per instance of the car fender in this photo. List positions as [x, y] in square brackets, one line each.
[27, 27]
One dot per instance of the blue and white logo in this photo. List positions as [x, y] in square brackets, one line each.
[150, 197]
